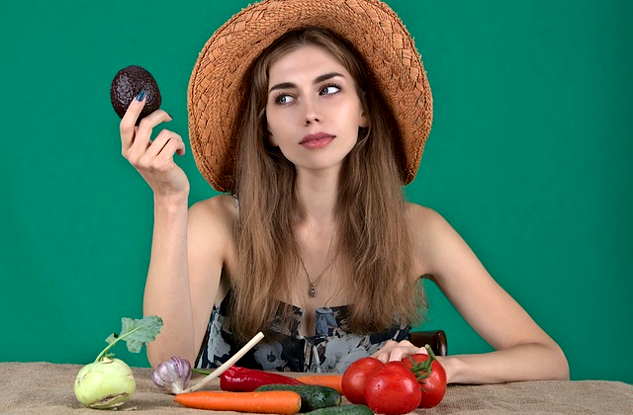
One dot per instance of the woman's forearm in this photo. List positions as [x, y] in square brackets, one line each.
[167, 292]
[517, 363]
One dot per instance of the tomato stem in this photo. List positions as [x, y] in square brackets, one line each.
[422, 370]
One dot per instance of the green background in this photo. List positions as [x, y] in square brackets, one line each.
[529, 159]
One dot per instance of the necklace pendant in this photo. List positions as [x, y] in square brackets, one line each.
[312, 290]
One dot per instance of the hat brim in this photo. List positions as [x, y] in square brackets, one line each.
[216, 96]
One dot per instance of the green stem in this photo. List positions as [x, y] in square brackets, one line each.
[430, 352]
[201, 371]
[108, 347]
[422, 370]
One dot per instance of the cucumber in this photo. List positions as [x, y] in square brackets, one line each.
[343, 410]
[312, 396]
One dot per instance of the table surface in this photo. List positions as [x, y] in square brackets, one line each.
[46, 388]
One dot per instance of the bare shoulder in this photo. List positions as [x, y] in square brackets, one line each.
[220, 209]
[422, 218]
[432, 237]
[213, 222]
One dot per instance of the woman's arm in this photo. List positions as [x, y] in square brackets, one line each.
[523, 351]
[188, 254]
[167, 288]
[176, 272]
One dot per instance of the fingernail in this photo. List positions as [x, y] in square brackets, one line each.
[140, 96]
[169, 115]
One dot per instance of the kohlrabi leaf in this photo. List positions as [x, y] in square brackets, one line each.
[136, 333]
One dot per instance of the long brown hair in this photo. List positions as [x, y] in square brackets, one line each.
[374, 245]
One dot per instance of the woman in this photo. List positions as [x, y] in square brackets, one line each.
[313, 115]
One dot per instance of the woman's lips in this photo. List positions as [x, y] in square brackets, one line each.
[317, 140]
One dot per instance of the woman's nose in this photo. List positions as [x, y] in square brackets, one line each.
[312, 113]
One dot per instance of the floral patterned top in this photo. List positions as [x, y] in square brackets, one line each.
[332, 349]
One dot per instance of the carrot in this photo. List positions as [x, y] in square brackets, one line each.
[270, 402]
[333, 381]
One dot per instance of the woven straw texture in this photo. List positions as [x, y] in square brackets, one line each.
[44, 388]
[217, 93]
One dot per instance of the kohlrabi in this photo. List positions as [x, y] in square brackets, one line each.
[107, 383]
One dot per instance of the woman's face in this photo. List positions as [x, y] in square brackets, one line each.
[313, 111]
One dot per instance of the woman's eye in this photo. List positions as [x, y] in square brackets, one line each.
[330, 89]
[283, 99]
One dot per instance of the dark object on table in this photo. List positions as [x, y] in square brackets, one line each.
[434, 338]
[127, 84]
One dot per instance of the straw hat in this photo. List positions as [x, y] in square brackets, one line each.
[216, 96]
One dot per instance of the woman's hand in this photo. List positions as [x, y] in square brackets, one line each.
[394, 351]
[154, 160]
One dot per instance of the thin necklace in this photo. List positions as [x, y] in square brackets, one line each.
[312, 291]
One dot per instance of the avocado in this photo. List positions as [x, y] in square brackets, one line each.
[127, 84]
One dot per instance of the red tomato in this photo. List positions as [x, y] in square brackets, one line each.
[433, 387]
[355, 376]
[392, 389]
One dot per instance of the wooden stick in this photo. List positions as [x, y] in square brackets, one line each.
[217, 372]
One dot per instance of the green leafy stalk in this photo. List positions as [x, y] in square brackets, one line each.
[136, 333]
[422, 370]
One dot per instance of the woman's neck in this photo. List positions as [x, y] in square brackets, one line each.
[317, 193]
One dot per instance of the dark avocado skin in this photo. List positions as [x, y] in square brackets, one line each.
[127, 84]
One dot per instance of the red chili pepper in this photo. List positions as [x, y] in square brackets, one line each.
[241, 379]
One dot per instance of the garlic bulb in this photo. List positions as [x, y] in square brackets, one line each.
[172, 375]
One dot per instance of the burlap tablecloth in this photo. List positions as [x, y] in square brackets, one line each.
[45, 388]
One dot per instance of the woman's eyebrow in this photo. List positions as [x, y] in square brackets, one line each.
[326, 76]
[317, 80]
[283, 85]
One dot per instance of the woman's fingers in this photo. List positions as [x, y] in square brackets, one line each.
[142, 135]
[128, 122]
[164, 146]
[394, 352]
[137, 138]
[154, 160]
